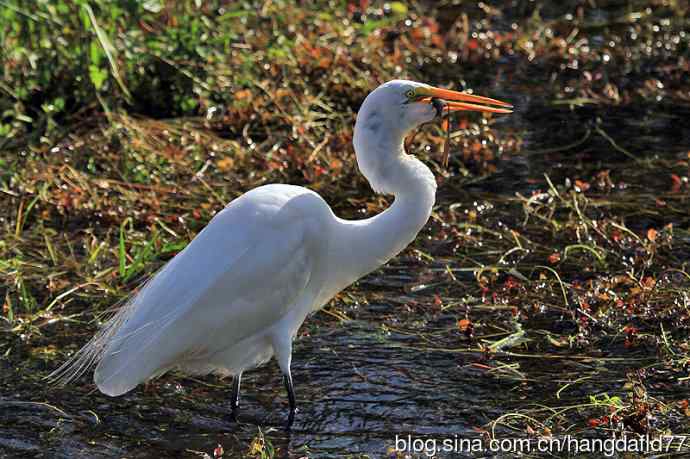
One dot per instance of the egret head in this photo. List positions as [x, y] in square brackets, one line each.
[399, 106]
[390, 112]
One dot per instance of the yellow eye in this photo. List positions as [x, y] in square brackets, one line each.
[410, 94]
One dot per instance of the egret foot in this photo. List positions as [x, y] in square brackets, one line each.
[235, 397]
[287, 380]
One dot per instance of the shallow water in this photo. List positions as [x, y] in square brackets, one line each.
[359, 384]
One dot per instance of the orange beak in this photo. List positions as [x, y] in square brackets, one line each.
[455, 101]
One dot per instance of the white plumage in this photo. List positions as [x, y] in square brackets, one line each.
[238, 293]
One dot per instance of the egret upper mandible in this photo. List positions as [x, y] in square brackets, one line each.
[238, 293]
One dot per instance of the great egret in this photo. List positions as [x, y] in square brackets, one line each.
[238, 293]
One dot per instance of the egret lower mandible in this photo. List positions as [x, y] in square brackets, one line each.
[238, 293]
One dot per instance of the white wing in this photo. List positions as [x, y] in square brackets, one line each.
[239, 276]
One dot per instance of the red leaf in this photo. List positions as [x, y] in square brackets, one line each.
[648, 282]
[677, 182]
[511, 283]
[629, 330]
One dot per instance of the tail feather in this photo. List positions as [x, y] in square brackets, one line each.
[92, 353]
[124, 363]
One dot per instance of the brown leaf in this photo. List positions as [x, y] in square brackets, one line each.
[581, 186]
[225, 164]
[242, 94]
[464, 324]
[282, 92]
[651, 234]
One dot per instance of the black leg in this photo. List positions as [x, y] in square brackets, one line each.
[235, 396]
[287, 380]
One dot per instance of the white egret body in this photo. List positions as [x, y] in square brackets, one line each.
[238, 293]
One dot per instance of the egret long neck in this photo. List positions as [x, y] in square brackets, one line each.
[369, 243]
